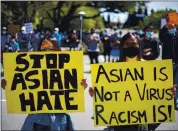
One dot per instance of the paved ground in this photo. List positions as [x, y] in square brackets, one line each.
[82, 121]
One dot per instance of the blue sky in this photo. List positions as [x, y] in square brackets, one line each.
[162, 5]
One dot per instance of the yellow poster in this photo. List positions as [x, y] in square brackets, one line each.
[44, 82]
[133, 93]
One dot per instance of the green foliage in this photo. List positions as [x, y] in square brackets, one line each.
[19, 12]
[155, 18]
[75, 24]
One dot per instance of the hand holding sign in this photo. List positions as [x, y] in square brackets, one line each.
[44, 82]
[3, 83]
[139, 91]
[174, 90]
[84, 83]
[91, 91]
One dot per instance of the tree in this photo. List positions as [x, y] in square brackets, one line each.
[60, 13]
[152, 11]
[19, 12]
[155, 18]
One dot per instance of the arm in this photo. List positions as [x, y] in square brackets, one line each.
[155, 49]
[18, 48]
[20, 40]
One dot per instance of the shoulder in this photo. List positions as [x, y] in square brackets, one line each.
[16, 43]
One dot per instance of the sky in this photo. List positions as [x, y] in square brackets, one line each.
[162, 5]
[122, 17]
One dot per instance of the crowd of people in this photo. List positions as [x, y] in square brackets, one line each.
[130, 47]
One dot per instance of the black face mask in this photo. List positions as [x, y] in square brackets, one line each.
[131, 52]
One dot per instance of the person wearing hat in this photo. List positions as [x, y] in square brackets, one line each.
[57, 35]
[149, 45]
[5, 38]
[23, 39]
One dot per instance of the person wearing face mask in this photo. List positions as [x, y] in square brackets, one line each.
[73, 40]
[14, 46]
[48, 121]
[115, 42]
[57, 35]
[37, 39]
[93, 46]
[106, 40]
[130, 52]
[169, 37]
[5, 38]
[47, 37]
[23, 39]
[149, 45]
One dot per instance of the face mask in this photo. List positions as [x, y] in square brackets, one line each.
[55, 32]
[131, 52]
[3, 32]
[149, 34]
[104, 33]
[23, 32]
[172, 31]
[41, 36]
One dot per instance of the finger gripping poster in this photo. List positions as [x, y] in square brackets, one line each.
[133, 93]
[44, 82]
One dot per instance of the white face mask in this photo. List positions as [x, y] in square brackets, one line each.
[23, 32]
[3, 32]
[55, 32]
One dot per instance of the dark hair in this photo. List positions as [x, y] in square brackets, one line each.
[13, 37]
[147, 27]
[124, 38]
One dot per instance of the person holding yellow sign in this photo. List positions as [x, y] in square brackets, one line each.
[130, 52]
[48, 121]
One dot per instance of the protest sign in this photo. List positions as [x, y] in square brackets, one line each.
[163, 23]
[44, 82]
[13, 29]
[28, 27]
[173, 17]
[133, 93]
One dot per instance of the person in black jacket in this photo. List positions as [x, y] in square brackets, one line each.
[106, 45]
[169, 37]
[149, 46]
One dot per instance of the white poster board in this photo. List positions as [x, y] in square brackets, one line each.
[163, 22]
[29, 27]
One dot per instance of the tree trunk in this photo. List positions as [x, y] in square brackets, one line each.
[65, 21]
[65, 24]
